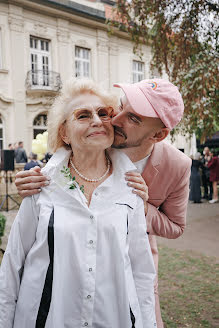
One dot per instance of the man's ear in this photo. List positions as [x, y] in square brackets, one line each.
[161, 135]
[63, 134]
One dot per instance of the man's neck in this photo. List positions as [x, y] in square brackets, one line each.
[137, 153]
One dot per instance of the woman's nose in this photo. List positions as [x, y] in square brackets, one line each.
[96, 119]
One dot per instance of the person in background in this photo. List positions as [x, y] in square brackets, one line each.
[213, 165]
[33, 162]
[195, 180]
[47, 157]
[20, 153]
[207, 184]
[10, 146]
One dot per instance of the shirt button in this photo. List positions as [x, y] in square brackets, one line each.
[90, 269]
[88, 296]
[90, 241]
[85, 324]
[91, 217]
[96, 193]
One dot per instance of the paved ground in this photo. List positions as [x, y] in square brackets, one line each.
[201, 235]
[202, 232]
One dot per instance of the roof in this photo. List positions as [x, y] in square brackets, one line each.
[75, 8]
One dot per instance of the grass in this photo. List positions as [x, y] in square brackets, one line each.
[189, 289]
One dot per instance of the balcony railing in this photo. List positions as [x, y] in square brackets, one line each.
[43, 80]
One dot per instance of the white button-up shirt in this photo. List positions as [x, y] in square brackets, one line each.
[68, 265]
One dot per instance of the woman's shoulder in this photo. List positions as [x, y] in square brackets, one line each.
[56, 161]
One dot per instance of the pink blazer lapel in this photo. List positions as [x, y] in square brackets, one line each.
[152, 167]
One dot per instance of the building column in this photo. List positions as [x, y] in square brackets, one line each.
[64, 50]
[113, 62]
[18, 73]
[103, 59]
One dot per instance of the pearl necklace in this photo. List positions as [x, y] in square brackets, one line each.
[91, 180]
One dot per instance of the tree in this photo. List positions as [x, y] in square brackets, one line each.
[184, 40]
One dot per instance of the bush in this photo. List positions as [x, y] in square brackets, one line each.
[2, 226]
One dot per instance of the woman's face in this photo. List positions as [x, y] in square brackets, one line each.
[88, 125]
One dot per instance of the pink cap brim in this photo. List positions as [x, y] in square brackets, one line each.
[137, 100]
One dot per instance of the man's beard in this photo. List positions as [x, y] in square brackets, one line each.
[124, 144]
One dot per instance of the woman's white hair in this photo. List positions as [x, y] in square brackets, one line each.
[60, 109]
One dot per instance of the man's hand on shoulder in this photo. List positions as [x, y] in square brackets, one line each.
[30, 182]
[139, 186]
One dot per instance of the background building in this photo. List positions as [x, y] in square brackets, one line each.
[43, 43]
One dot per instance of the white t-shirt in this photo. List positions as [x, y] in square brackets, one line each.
[142, 163]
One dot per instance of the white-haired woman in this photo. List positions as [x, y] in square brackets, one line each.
[78, 253]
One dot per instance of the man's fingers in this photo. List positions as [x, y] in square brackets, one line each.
[139, 181]
[31, 186]
[133, 173]
[138, 186]
[141, 194]
[25, 193]
[136, 179]
[28, 173]
[36, 168]
[30, 179]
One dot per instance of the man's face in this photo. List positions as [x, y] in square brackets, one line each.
[131, 129]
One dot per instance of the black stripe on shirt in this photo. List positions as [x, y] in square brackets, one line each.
[132, 318]
[47, 290]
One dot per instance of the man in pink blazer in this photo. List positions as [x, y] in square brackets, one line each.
[149, 110]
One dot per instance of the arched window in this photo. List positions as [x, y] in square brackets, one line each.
[1, 133]
[39, 124]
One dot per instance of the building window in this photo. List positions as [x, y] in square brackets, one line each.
[39, 124]
[1, 134]
[82, 62]
[40, 61]
[137, 71]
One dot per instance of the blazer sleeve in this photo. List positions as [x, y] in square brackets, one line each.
[169, 220]
[142, 265]
[21, 238]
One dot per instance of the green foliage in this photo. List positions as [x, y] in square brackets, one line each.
[72, 180]
[184, 40]
[2, 226]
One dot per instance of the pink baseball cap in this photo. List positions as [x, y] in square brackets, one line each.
[155, 98]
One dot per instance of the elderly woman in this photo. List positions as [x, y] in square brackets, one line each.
[78, 253]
